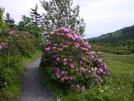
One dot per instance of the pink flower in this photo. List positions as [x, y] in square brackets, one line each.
[80, 62]
[62, 72]
[72, 65]
[88, 71]
[58, 76]
[86, 43]
[47, 49]
[65, 72]
[72, 85]
[53, 56]
[65, 63]
[55, 44]
[17, 35]
[45, 32]
[87, 76]
[64, 59]
[71, 78]
[61, 49]
[82, 88]
[54, 48]
[77, 86]
[83, 58]
[51, 32]
[0, 47]
[62, 79]
[77, 70]
[58, 59]
[5, 83]
[66, 78]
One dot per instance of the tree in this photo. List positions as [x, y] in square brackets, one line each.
[10, 21]
[59, 13]
[1, 16]
[35, 16]
[27, 25]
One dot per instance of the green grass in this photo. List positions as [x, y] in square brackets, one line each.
[37, 53]
[119, 89]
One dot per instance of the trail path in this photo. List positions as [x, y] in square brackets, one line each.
[31, 88]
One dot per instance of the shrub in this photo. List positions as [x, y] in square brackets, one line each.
[14, 45]
[69, 60]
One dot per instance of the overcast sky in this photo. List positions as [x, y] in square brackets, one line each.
[101, 16]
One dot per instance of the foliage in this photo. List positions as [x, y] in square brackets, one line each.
[119, 89]
[10, 21]
[120, 38]
[113, 50]
[59, 13]
[27, 25]
[35, 16]
[14, 45]
[67, 59]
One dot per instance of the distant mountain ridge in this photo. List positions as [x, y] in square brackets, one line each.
[124, 36]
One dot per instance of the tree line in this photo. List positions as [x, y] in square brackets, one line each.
[59, 13]
[120, 38]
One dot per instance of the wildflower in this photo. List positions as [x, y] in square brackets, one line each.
[58, 76]
[83, 58]
[88, 71]
[54, 48]
[72, 85]
[82, 88]
[87, 76]
[61, 49]
[45, 32]
[77, 70]
[64, 59]
[47, 49]
[72, 65]
[62, 79]
[71, 78]
[77, 86]
[0, 47]
[65, 63]
[58, 59]
[5, 83]
[80, 62]
[99, 60]
[65, 72]
[53, 56]
[62, 72]
[55, 44]
[17, 35]
[51, 32]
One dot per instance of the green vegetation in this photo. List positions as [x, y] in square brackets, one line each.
[15, 47]
[61, 13]
[119, 89]
[120, 38]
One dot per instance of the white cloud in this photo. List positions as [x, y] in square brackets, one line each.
[101, 16]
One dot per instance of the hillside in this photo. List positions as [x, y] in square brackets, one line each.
[122, 37]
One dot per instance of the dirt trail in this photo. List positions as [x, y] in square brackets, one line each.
[31, 88]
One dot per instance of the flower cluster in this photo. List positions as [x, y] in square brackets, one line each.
[2, 44]
[69, 60]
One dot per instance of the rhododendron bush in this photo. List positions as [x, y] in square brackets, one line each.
[14, 45]
[68, 59]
